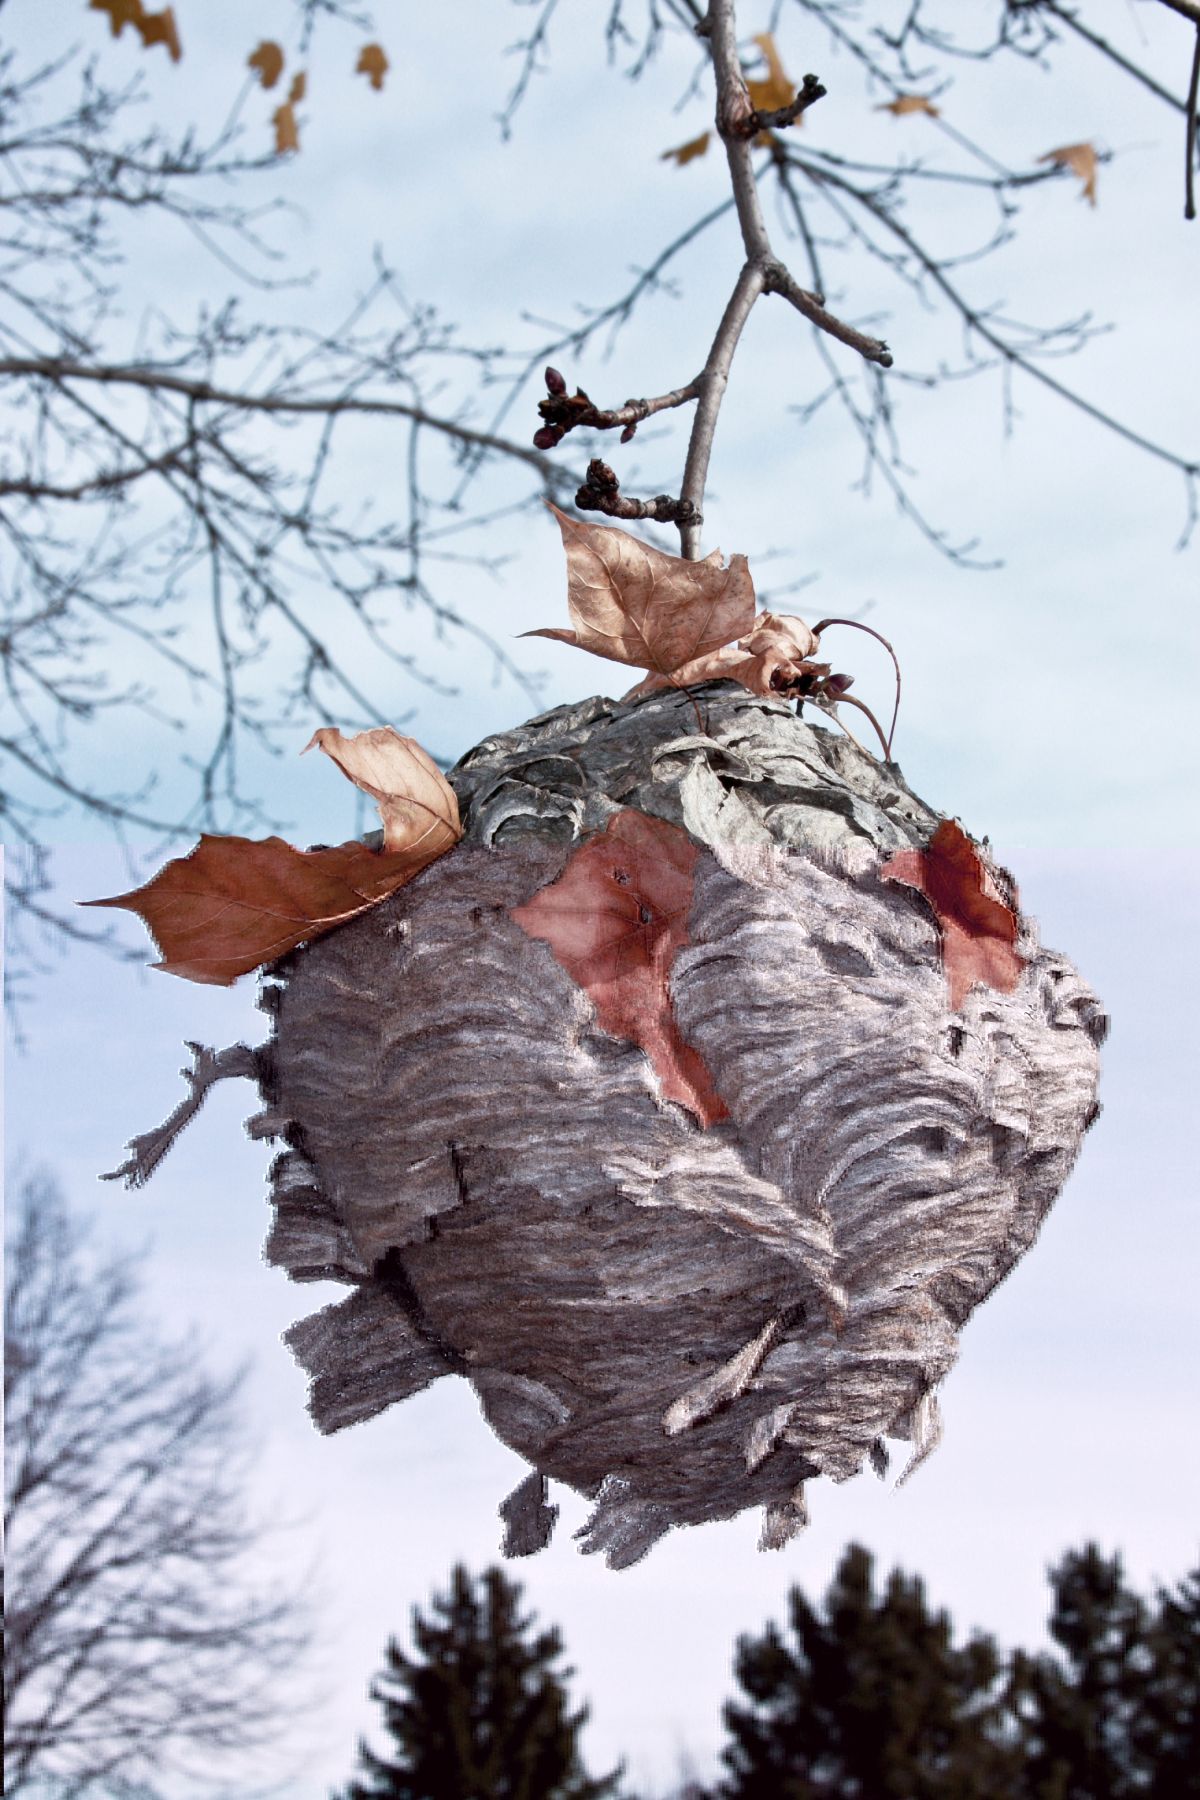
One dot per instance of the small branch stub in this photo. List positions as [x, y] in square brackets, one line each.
[562, 412]
[601, 492]
[783, 116]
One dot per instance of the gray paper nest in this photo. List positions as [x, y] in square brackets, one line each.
[677, 1322]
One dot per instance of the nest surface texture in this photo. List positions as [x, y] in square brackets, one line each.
[677, 1321]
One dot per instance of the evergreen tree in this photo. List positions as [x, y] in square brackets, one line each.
[871, 1701]
[1084, 1710]
[480, 1712]
[1169, 1738]
[1117, 1712]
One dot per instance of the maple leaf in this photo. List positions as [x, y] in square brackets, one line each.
[372, 62]
[909, 103]
[234, 903]
[418, 806]
[267, 61]
[636, 604]
[1082, 160]
[774, 652]
[684, 153]
[614, 919]
[978, 927]
[287, 137]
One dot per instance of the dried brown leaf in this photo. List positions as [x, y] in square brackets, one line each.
[638, 605]
[287, 136]
[978, 927]
[770, 92]
[120, 13]
[152, 28]
[1082, 160]
[775, 650]
[235, 903]
[160, 28]
[298, 88]
[372, 62]
[684, 153]
[615, 919]
[418, 806]
[910, 103]
[267, 62]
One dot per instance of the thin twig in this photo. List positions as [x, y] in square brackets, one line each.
[1189, 202]
[738, 124]
[58, 368]
[715, 377]
[208, 1067]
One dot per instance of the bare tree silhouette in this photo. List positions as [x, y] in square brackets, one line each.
[138, 1641]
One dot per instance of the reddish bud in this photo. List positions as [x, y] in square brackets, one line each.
[554, 382]
[546, 438]
[837, 684]
[628, 433]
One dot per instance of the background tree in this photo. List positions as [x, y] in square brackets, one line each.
[1168, 1733]
[480, 1712]
[139, 1644]
[172, 497]
[1114, 1713]
[872, 1696]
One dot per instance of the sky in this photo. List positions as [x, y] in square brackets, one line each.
[1047, 703]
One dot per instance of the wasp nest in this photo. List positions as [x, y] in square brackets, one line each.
[677, 1320]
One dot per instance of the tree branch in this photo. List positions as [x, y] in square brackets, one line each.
[57, 368]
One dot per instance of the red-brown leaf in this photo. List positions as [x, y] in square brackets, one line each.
[979, 929]
[614, 919]
[235, 903]
[636, 604]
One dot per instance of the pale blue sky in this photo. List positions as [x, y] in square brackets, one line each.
[1049, 704]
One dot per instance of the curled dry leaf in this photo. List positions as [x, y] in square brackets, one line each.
[909, 103]
[978, 927]
[235, 903]
[614, 919]
[287, 136]
[638, 605]
[1082, 160]
[267, 62]
[298, 88]
[773, 654]
[418, 806]
[372, 62]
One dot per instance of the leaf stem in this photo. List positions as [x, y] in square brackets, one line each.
[871, 632]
